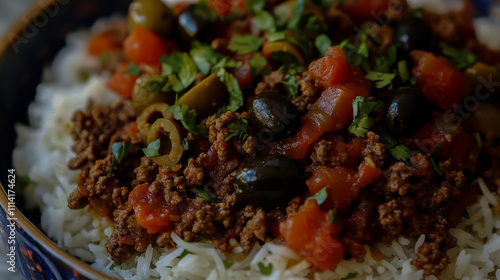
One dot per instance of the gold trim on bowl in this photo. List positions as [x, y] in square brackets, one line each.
[70, 260]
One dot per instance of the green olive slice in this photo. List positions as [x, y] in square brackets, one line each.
[142, 97]
[207, 97]
[283, 46]
[149, 116]
[288, 7]
[152, 14]
[170, 141]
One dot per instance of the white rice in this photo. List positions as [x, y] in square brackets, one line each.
[44, 148]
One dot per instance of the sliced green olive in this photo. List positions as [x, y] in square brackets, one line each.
[485, 119]
[142, 98]
[152, 14]
[170, 141]
[283, 46]
[481, 70]
[288, 7]
[150, 115]
[206, 97]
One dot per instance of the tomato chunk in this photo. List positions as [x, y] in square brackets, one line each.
[365, 10]
[439, 80]
[332, 69]
[121, 82]
[101, 43]
[151, 210]
[143, 46]
[310, 235]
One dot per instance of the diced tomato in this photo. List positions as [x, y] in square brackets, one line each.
[100, 206]
[131, 129]
[223, 8]
[244, 76]
[151, 210]
[310, 235]
[355, 149]
[365, 10]
[178, 8]
[461, 146]
[367, 174]
[121, 82]
[330, 113]
[431, 140]
[439, 80]
[143, 46]
[101, 43]
[332, 69]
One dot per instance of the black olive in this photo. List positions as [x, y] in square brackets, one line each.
[196, 24]
[408, 111]
[274, 115]
[413, 34]
[269, 181]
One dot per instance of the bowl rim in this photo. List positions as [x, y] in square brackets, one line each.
[33, 231]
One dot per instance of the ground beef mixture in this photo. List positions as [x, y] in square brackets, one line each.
[423, 193]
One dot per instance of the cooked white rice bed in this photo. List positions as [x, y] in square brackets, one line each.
[44, 148]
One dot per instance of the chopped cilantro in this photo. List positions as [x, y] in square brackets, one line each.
[185, 144]
[352, 54]
[351, 275]
[112, 267]
[184, 253]
[153, 149]
[292, 87]
[362, 108]
[265, 21]
[322, 43]
[23, 182]
[255, 5]
[134, 70]
[298, 10]
[238, 129]
[257, 64]
[435, 166]
[479, 140]
[276, 36]
[156, 84]
[381, 79]
[265, 269]
[399, 151]
[120, 149]
[320, 196]
[187, 74]
[207, 59]
[334, 219]
[235, 94]
[227, 264]
[439, 146]
[448, 131]
[466, 214]
[171, 64]
[206, 193]
[243, 44]
[413, 81]
[325, 3]
[187, 118]
[84, 75]
[460, 58]
[418, 12]
[384, 63]
[403, 71]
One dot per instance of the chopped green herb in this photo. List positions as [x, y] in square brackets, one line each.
[238, 129]
[385, 63]
[448, 131]
[255, 5]
[84, 75]
[227, 264]
[206, 193]
[120, 149]
[184, 253]
[292, 87]
[440, 146]
[363, 47]
[235, 94]
[185, 144]
[156, 84]
[418, 12]
[351, 275]
[334, 219]
[153, 149]
[362, 108]
[205, 57]
[381, 79]
[399, 151]
[320, 196]
[325, 3]
[134, 70]
[112, 267]
[466, 214]
[187, 74]
[460, 58]
[104, 58]
[479, 140]
[435, 166]
[352, 54]
[298, 10]
[187, 118]
[276, 36]
[257, 64]
[265, 21]
[413, 81]
[243, 44]
[23, 182]
[322, 43]
[403, 71]
[265, 269]
[171, 64]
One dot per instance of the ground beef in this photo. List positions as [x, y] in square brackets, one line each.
[309, 93]
[270, 82]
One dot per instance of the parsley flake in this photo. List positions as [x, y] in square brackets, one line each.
[120, 149]
[362, 108]
[466, 214]
[435, 166]
[257, 64]
[460, 58]
[403, 71]
[185, 144]
[265, 21]
[187, 118]
[227, 264]
[381, 79]
[399, 151]
[112, 267]
[276, 36]
[235, 93]
[23, 182]
[184, 253]
[265, 269]
[320, 196]
[350, 276]
[479, 140]
[134, 70]
[206, 193]
[334, 219]
[243, 44]
[322, 43]
[153, 149]
[238, 129]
